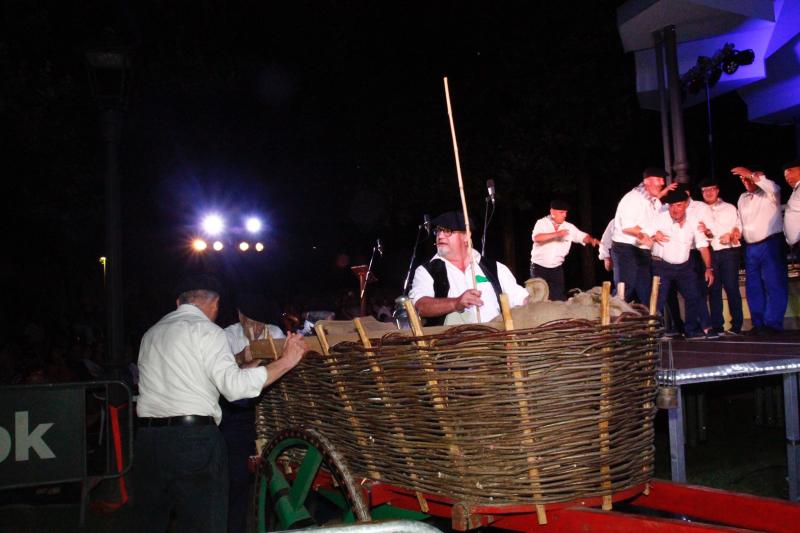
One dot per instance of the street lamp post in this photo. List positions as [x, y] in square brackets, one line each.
[109, 72]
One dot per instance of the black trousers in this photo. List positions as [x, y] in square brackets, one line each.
[184, 469]
[554, 278]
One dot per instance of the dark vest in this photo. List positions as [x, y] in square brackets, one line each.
[441, 285]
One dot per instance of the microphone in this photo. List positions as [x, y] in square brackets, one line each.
[426, 223]
[490, 188]
[379, 247]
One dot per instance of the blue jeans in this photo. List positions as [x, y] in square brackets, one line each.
[726, 275]
[634, 270]
[683, 277]
[180, 468]
[767, 284]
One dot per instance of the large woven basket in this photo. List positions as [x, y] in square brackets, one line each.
[538, 416]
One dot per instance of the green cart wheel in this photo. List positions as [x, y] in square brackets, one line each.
[304, 482]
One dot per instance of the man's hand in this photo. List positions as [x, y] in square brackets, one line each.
[468, 298]
[746, 173]
[660, 237]
[702, 228]
[608, 263]
[244, 357]
[645, 240]
[736, 235]
[591, 241]
[562, 233]
[294, 348]
[671, 187]
[709, 276]
[725, 239]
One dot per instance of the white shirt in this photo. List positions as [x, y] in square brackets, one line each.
[724, 218]
[185, 363]
[760, 211]
[462, 281]
[698, 212]
[604, 250]
[681, 238]
[238, 341]
[791, 217]
[637, 208]
[552, 253]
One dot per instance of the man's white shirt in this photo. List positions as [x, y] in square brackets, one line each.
[637, 208]
[185, 363]
[604, 250]
[551, 254]
[791, 217]
[681, 238]
[724, 218]
[760, 211]
[422, 286]
[238, 341]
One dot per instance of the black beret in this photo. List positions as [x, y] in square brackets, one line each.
[707, 182]
[657, 172]
[199, 282]
[678, 195]
[257, 308]
[559, 205]
[792, 164]
[452, 220]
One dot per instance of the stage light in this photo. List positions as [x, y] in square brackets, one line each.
[243, 246]
[218, 246]
[259, 247]
[199, 245]
[253, 224]
[213, 224]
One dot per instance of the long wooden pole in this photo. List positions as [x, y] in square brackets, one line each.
[461, 191]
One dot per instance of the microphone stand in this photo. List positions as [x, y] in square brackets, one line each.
[486, 219]
[413, 258]
[377, 248]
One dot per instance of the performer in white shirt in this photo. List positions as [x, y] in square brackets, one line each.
[767, 284]
[632, 226]
[791, 217]
[605, 253]
[725, 229]
[674, 235]
[442, 288]
[552, 238]
[238, 424]
[184, 364]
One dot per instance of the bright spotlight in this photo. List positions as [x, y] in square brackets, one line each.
[218, 245]
[259, 247]
[213, 224]
[199, 245]
[253, 225]
[243, 246]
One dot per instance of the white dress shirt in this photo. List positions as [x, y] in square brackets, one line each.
[681, 238]
[760, 211]
[637, 208]
[724, 218]
[604, 250]
[551, 254]
[698, 212]
[185, 363]
[462, 281]
[791, 217]
[237, 340]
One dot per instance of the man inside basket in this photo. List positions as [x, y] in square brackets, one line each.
[442, 290]
[185, 362]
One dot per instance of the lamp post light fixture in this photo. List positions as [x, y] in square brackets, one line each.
[109, 70]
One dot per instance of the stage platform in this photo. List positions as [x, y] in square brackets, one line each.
[729, 358]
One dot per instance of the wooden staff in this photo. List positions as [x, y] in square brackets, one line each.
[605, 403]
[524, 411]
[461, 191]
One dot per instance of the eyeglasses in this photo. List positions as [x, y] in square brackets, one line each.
[443, 231]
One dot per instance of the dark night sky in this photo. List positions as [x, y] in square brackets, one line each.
[328, 117]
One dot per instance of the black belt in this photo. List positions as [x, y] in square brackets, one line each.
[186, 420]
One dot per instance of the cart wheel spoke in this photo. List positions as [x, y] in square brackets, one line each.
[304, 482]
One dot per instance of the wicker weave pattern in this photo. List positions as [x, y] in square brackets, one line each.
[452, 419]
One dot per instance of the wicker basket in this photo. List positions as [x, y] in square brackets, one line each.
[539, 416]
